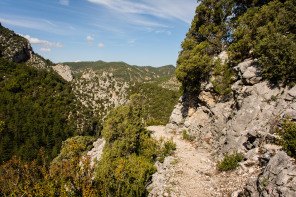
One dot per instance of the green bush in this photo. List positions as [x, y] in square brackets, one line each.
[268, 33]
[229, 162]
[223, 78]
[288, 137]
[127, 163]
[167, 147]
[187, 136]
[75, 146]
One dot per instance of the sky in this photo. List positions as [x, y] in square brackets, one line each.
[138, 32]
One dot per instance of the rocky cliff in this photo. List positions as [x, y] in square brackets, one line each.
[14, 47]
[100, 93]
[245, 122]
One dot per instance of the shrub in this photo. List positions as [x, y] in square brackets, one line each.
[167, 147]
[127, 163]
[288, 137]
[75, 146]
[223, 78]
[229, 162]
[268, 33]
[187, 137]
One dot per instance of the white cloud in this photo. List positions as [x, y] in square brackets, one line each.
[169, 9]
[43, 43]
[163, 31]
[132, 41]
[78, 61]
[89, 38]
[64, 2]
[101, 45]
[45, 50]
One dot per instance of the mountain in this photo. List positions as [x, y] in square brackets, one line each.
[122, 71]
[65, 101]
[101, 86]
[16, 48]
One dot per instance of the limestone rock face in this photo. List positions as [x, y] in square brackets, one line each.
[96, 152]
[14, 47]
[64, 71]
[277, 179]
[243, 122]
[100, 92]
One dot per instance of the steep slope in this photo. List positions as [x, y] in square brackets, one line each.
[16, 48]
[246, 123]
[38, 109]
[100, 93]
[237, 69]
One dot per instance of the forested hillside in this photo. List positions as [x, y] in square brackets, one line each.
[123, 71]
[158, 103]
[37, 109]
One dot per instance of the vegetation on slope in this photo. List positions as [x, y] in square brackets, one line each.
[287, 131]
[123, 71]
[125, 168]
[256, 29]
[38, 109]
[158, 102]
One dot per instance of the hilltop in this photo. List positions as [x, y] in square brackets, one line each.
[122, 71]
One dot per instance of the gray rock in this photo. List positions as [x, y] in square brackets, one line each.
[251, 76]
[96, 152]
[243, 123]
[278, 178]
[64, 71]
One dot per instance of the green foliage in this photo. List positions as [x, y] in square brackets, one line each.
[223, 78]
[123, 71]
[288, 137]
[229, 162]
[247, 29]
[39, 110]
[187, 136]
[157, 103]
[73, 147]
[129, 154]
[68, 178]
[268, 33]
[205, 39]
[125, 176]
[167, 148]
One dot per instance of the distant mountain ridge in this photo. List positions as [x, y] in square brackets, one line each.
[123, 71]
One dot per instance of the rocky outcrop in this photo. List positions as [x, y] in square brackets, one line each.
[100, 92]
[96, 152]
[244, 122]
[14, 47]
[64, 71]
[277, 179]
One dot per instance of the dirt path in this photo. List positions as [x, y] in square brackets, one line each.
[192, 171]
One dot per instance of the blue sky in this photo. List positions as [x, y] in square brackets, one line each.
[142, 32]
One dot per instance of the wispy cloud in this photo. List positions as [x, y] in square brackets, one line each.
[101, 45]
[43, 43]
[167, 9]
[45, 50]
[163, 31]
[64, 2]
[132, 41]
[89, 38]
[56, 27]
[22, 23]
